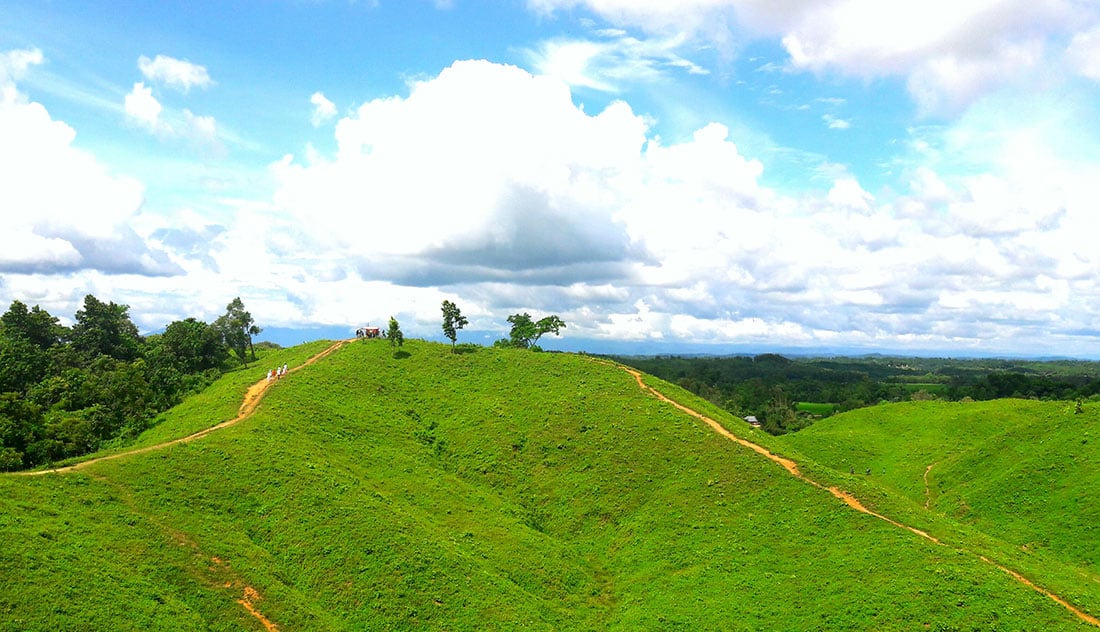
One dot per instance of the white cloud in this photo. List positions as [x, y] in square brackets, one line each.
[492, 183]
[490, 186]
[950, 51]
[174, 73]
[13, 65]
[608, 63]
[836, 123]
[81, 223]
[143, 107]
[203, 126]
[323, 109]
[1084, 53]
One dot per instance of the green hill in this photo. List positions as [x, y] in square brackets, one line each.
[1025, 472]
[499, 489]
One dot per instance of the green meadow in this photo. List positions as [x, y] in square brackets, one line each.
[1025, 474]
[506, 489]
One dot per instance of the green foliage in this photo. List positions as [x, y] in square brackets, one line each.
[492, 490]
[237, 328]
[453, 320]
[35, 326]
[98, 384]
[105, 329]
[525, 333]
[745, 385]
[393, 332]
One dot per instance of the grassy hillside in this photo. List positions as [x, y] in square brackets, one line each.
[498, 489]
[1026, 472]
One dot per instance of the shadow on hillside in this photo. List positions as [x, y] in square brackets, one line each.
[401, 355]
[466, 347]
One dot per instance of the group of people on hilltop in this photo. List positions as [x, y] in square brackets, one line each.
[277, 373]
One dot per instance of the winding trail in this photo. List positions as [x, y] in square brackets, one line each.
[252, 398]
[844, 496]
[927, 489]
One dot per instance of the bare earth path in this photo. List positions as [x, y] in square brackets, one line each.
[927, 489]
[847, 498]
[251, 399]
[249, 595]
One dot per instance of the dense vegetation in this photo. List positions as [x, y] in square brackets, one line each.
[495, 489]
[788, 394]
[67, 391]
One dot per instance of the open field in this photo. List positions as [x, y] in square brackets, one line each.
[494, 489]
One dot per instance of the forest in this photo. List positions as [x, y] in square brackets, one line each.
[68, 391]
[788, 394]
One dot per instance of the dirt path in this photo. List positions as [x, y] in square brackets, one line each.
[847, 498]
[927, 489]
[251, 399]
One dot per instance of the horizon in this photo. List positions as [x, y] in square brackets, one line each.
[293, 337]
[721, 175]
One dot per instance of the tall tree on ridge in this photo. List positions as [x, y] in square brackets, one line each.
[453, 320]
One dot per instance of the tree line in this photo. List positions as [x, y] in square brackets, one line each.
[770, 387]
[66, 391]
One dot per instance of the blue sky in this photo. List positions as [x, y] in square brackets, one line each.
[849, 175]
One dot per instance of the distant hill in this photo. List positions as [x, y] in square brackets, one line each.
[500, 489]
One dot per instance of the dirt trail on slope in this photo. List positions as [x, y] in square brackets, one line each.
[251, 399]
[844, 496]
[927, 489]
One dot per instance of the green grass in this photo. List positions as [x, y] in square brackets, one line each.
[497, 489]
[816, 408]
[1022, 472]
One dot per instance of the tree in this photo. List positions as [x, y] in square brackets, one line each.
[105, 329]
[237, 328]
[523, 330]
[549, 325]
[393, 332]
[525, 333]
[36, 325]
[193, 345]
[453, 320]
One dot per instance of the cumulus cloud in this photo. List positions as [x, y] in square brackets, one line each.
[493, 184]
[141, 106]
[323, 109]
[81, 222]
[489, 186]
[179, 74]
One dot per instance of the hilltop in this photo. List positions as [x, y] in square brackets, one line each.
[493, 489]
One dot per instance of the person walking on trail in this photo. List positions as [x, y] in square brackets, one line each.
[284, 369]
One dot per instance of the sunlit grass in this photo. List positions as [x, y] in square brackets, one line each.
[499, 489]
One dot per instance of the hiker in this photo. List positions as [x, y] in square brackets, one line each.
[270, 375]
[284, 369]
